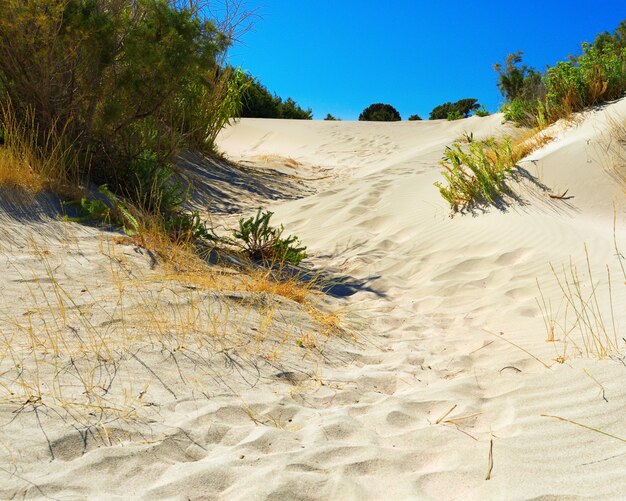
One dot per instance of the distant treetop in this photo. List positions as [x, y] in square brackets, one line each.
[380, 112]
[452, 111]
[259, 103]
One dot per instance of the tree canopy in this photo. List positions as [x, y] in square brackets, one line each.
[516, 80]
[380, 112]
[460, 109]
[258, 102]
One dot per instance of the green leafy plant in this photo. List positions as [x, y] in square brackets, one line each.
[518, 81]
[119, 81]
[110, 209]
[482, 112]
[414, 117]
[477, 173]
[151, 184]
[189, 227]
[261, 241]
[454, 115]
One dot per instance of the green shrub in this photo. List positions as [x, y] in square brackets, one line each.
[477, 173]
[110, 209]
[460, 109]
[262, 242]
[149, 182]
[258, 102]
[331, 118]
[119, 79]
[415, 117]
[482, 112]
[189, 226]
[380, 112]
[596, 76]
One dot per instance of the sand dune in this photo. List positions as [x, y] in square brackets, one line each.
[442, 379]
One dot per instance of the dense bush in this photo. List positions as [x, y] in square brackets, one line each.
[380, 112]
[597, 75]
[128, 83]
[414, 117]
[452, 111]
[258, 102]
[331, 118]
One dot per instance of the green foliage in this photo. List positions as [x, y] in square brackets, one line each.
[209, 109]
[414, 117]
[482, 112]
[380, 112]
[477, 173]
[149, 182]
[517, 81]
[119, 79]
[109, 209]
[331, 118]
[453, 111]
[596, 76]
[264, 242]
[258, 102]
[617, 38]
[187, 227]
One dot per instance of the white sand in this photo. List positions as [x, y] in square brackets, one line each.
[408, 409]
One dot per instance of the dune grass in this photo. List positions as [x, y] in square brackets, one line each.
[477, 173]
[101, 355]
[613, 150]
[584, 322]
[30, 164]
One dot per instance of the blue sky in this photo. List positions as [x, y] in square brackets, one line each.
[339, 56]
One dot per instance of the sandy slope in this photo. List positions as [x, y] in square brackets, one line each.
[408, 409]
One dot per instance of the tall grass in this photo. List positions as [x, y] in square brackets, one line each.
[477, 173]
[585, 321]
[99, 355]
[32, 160]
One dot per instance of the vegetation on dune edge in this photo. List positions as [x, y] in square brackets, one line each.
[477, 174]
[94, 92]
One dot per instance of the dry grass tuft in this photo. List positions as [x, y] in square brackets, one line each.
[584, 321]
[614, 151]
[531, 141]
[269, 282]
[31, 165]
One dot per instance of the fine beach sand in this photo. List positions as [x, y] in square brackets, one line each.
[436, 381]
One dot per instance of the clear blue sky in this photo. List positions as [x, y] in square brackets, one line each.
[339, 56]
